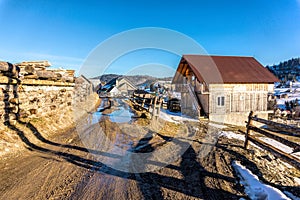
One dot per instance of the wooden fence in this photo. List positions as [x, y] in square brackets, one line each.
[147, 103]
[284, 134]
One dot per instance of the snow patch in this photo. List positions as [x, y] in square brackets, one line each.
[175, 117]
[297, 154]
[277, 144]
[167, 117]
[254, 188]
[232, 135]
[290, 195]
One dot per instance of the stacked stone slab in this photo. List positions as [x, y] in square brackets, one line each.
[38, 70]
[9, 70]
[27, 97]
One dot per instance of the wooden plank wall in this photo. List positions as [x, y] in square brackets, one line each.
[239, 97]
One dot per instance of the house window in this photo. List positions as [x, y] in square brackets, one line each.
[221, 101]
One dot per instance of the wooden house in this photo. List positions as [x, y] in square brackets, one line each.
[223, 88]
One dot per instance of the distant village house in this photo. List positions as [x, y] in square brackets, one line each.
[119, 86]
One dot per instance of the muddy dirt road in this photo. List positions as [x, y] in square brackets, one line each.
[70, 166]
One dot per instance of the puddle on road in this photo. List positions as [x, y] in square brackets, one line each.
[120, 113]
[131, 145]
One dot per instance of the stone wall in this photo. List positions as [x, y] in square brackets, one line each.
[43, 102]
[39, 97]
[33, 100]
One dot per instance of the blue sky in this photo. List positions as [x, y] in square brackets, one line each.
[65, 32]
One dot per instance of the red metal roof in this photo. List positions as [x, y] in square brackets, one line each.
[225, 69]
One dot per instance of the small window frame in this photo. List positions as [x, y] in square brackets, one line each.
[220, 101]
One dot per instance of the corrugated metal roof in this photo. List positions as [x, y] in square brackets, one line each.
[225, 69]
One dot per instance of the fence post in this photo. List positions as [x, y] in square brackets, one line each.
[159, 106]
[249, 123]
[150, 105]
[154, 106]
[144, 100]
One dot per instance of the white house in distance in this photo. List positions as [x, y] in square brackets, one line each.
[225, 88]
[119, 86]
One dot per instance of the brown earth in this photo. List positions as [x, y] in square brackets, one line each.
[62, 167]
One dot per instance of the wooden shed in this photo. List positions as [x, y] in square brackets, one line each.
[223, 88]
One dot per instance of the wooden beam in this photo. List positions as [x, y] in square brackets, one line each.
[283, 127]
[46, 83]
[275, 137]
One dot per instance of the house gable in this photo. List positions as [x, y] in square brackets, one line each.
[124, 83]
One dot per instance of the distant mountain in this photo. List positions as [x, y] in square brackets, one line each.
[137, 80]
[287, 71]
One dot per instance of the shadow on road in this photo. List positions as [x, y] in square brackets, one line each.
[152, 184]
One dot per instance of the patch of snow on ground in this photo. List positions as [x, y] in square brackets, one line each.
[277, 144]
[290, 98]
[281, 90]
[295, 94]
[167, 117]
[175, 117]
[290, 195]
[297, 154]
[254, 188]
[232, 135]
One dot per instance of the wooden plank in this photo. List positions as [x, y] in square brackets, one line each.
[283, 133]
[282, 127]
[71, 72]
[46, 83]
[181, 65]
[184, 68]
[31, 76]
[139, 107]
[43, 63]
[280, 139]
[143, 96]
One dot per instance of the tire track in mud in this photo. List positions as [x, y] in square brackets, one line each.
[41, 175]
[29, 189]
[224, 168]
[63, 188]
[219, 181]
